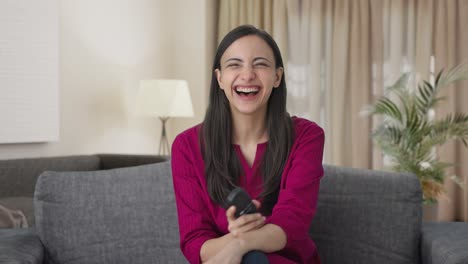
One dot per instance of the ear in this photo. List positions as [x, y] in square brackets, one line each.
[218, 78]
[279, 76]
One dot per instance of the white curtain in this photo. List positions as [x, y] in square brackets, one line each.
[329, 74]
[343, 53]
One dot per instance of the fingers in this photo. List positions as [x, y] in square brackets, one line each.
[248, 227]
[246, 223]
[230, 213]
[256, 203]
[232, 209]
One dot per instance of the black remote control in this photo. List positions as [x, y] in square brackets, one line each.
[242, 201]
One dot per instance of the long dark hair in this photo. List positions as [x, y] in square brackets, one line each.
[222, 166]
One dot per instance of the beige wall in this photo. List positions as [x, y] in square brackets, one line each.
[194, 45]
[106, 47]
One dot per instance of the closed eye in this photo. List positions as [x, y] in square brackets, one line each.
[261, 62]
[233, 65]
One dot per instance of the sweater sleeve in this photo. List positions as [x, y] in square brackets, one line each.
[297, 199]
[195, 223]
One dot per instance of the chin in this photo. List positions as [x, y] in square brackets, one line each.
[249, 110]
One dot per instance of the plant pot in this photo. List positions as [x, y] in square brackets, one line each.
[430, 212]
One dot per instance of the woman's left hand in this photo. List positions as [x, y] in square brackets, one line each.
[232, 253]
[245, 222]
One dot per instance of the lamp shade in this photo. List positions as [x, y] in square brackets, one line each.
[164, 98]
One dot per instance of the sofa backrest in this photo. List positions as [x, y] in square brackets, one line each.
[113, 161]
[368, 216]
[125, 215]
[18, 176]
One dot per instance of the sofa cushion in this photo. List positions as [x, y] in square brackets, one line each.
[444, 243]
[18, 176]
[125, 215]
[366, 216]
[18, 246]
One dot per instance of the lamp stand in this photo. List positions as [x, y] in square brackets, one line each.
[164, 143]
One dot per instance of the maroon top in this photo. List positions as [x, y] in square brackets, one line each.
[201, 219]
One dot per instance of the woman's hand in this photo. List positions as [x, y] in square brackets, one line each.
[232, 253]
[245, 222]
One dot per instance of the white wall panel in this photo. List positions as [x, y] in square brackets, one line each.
[29, 71]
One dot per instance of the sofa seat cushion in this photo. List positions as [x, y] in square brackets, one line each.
[125, 215]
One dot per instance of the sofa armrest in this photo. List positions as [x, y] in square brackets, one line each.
[444, 243]
[112, 161]
[20, 246]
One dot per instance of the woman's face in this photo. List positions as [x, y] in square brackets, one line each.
[248, 75]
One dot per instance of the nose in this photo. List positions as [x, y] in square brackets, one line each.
[248, 74]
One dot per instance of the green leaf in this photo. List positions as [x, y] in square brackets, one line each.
[400, 84]
[385, 106]
[407, 136]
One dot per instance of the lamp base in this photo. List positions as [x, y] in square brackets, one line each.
[164, 143]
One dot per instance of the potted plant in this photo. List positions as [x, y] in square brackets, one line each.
[409, 131]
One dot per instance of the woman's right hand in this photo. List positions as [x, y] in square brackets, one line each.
[245, 222]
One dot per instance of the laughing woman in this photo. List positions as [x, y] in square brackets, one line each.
[248, 139]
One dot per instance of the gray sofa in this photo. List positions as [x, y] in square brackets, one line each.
[120, 209]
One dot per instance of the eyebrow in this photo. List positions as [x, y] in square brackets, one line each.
[261, 58]
[233, 59]
[240, 60]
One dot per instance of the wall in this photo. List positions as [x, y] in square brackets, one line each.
[106, 47]
[194, 46]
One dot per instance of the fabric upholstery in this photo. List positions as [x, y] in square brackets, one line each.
[112, 161]
[18, 176]
[20, 246]
[125, 215]
[445, 243]
[367, 216]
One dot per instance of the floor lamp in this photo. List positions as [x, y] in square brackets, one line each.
[164, 99]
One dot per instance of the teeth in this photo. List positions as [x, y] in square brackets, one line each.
[247, 89]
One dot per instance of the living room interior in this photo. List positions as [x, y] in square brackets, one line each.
[106, 48]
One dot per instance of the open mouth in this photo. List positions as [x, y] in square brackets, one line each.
[247, 91]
